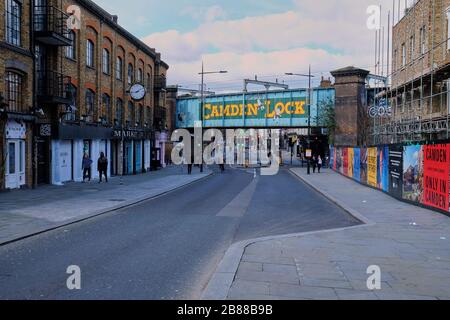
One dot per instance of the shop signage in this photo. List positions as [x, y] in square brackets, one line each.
[128, 134]
[15, 130]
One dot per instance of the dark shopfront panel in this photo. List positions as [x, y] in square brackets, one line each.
[133, 150]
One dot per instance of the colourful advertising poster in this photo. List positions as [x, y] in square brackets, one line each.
[413, 173]
[436, 176]
[345, 161]
[383, 168]
[350, 155]
[363, 165]
[357, 164]
[396, 171]
[339, 164]
[372, 167]
[332, 157]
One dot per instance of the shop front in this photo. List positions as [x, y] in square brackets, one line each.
[68, 149]
[15, 152]
[131, 151]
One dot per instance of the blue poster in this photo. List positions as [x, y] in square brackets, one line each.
[331, 157]
[383, 168]
[357, 164]
[138, 157]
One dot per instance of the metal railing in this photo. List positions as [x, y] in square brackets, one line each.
[160, 82]
[51, 19]
[53, 85]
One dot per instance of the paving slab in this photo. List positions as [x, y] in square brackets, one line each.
[410, 245]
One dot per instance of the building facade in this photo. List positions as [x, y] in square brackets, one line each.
[75, 94]
[420, 74]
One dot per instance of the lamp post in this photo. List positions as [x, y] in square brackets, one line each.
[203, 73]
[309, 76]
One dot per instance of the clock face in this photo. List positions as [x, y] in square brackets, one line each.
[137, 92]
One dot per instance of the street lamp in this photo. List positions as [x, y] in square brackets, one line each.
[202, 98]
[309, 76]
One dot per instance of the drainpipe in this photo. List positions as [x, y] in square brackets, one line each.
[33, 75]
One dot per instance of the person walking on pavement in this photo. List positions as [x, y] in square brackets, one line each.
[319, 163]
[314, 164]
[102, 166]
[86, 167]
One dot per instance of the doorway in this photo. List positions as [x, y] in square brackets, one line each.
[15, 164]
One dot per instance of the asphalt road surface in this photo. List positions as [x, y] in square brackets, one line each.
[168, 247]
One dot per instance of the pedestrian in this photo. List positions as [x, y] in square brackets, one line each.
[319, 163]
[314, 164]
[102, 167]
[86, 167]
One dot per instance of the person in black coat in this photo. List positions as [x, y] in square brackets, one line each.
[102, 166]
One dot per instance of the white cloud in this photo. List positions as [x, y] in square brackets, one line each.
[328, 36]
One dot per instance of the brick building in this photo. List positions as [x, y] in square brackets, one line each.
[420, 73]
[81, 102]
[16, 83]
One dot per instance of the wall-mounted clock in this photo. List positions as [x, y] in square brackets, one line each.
[137, 92]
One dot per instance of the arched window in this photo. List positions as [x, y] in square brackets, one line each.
[130, 113]
[106, 61]
[130, 73]
[139, 115]
[149, 117]
[71, 50]
[90, 54]
[140, 76]
[106, 100]
[119, 68]
[90, 105]
[119, 111]
[14, 91]
[71, 109]
[149, 82]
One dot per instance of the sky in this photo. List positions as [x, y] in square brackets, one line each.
[267, 38]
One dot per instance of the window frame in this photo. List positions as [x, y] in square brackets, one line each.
[106, 61]
[119, 68]
[13, 22]
[14, 83]
[90, 53]
[90, 108]
[70, 52]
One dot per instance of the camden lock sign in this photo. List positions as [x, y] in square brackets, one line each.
[258, 109]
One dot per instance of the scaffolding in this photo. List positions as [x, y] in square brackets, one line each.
[418, 94]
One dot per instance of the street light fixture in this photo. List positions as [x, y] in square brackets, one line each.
[203, 73]
[309, 76]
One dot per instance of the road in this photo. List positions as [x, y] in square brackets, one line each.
[168, 247]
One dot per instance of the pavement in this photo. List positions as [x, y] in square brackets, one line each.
[29, 212]
[409, 244]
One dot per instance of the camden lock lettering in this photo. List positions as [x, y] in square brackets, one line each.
[256, 110]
